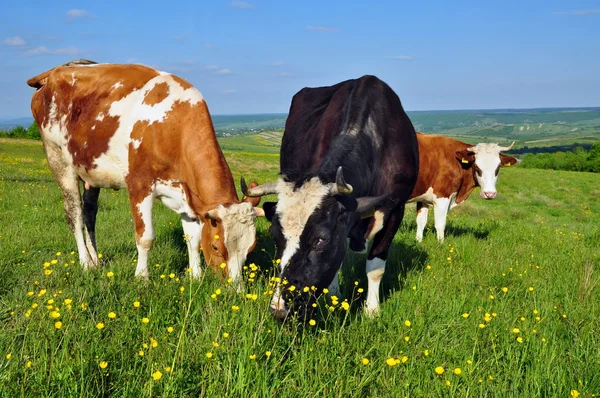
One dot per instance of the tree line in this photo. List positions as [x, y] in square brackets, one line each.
[576, 160]
[32, 133]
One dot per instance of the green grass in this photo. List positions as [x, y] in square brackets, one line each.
[542, 232]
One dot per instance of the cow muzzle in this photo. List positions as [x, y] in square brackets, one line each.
[488, 194]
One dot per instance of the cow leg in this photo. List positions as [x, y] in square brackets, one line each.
[440, 211]
[377, 257]
[90, 209]
[68, 181]
[422, 212]
[144, 231]
[193, 232]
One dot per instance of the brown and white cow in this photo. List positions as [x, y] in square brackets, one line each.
[131, 126]
[449, 171]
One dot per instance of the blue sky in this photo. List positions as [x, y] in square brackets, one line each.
[252, 56]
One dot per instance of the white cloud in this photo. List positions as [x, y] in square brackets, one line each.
[14, 41]
[400, 57]
[77, 13]
[240, 4]
[223, 71]
[42, 50]
[277, 63]
[321, 29]
[232, 90]
[578, 12]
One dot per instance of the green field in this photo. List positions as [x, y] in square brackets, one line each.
[508, 306]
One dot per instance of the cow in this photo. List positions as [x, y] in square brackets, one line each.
[134, 127]
[349, 161]
[449, 171]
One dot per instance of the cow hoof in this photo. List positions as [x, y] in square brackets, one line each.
[372, 312]
[143, 276]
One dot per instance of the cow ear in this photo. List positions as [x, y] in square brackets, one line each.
[269, 208]
[465, 157]
[253, 200]
[347, 203]
[368, 204]
[507, 160]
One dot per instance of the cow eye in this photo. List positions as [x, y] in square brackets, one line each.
[478, 171]
[320, 242]
[214, 247]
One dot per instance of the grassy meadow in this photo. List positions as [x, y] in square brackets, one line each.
[507, 306]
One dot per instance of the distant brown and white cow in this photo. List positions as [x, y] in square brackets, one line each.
[131, 126]
[449, 171]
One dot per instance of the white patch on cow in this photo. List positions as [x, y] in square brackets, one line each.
[294, 207]
[487, 158]
[377, 225]
[239, 229]
[73, 79]
[369, 128]
[172, 194]
[136, 143]
[144, 242]
[116, 86]
[422, 221]
[375, 270]
[428, 197]
[441, 206]
[100, 117]
[93, 128]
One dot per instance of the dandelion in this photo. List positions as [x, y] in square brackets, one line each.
[209, 355]
[34, 305]
[112, 315]
[110, 274]
[47, 272]
[42, 292]
[157, 375]
[465, 315]
[103, 364]
[439, 370]
[519, 339]
[312, 322]
[457, 371]
[145, 320]
[136, 304]
[407, 323]
[365, 361]
[58, 324]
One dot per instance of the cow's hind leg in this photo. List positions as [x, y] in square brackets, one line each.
[141, 210]
[90, 209]
[422, 212]
[440, 212]
[378, 256]
[67, 179]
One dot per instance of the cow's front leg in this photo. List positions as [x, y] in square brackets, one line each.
[193, 233]
[141, 211]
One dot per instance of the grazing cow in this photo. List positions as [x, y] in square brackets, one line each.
[130, 126]
[449, 170]
[349, 160]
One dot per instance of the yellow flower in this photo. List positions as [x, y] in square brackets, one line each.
[345, 305]
[168, 369]
[519, 339]
[136, 304]
[99, 255]
[181, 289]
[253, 356]
[28, 364]
[112, 315]
[516, 331]
[223, 265]
[439, 370]
[8, 356]
[225, 334]
[360, 290]
[209, 355]
[48, 272]
[447, 382]
[469, 362]
[141, 353]
[54, 262]
[235, 308]
[392, 361]
[481, 326]
[426, 353]
[30, 294]
[491, 296]
[68, 301]
[103, 364]
[99, 326]
[216, 237]
[34, 305]
[407, 323]
[268, 354]
[487, 317]
[457, 371]
[55, 314]
[110, 274]
[312, 322]
[58, 324]
[404, 359]
[306, 289]
[428, 267]
[84, 306]
[170, 329]
[574, 393]
[505, 289]
[145, 320]
[171, 275]
[465, 315]
[218, 291]
[530, 288]
[406, 338]
[42, 292]
[278, 261]
[292, 288]
[215, 344]
[325, 291]
[157, 375]
[365, 361]
[153, 342]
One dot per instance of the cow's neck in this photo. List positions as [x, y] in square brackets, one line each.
[468, 185]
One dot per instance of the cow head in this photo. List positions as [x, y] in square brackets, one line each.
[310, 223]
[229, 235]
[486, 161]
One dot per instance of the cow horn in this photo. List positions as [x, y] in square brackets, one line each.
[259, 190]
[212, 214]
[508, 148]
[340, 186]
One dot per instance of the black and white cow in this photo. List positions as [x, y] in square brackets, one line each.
[349, 161]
